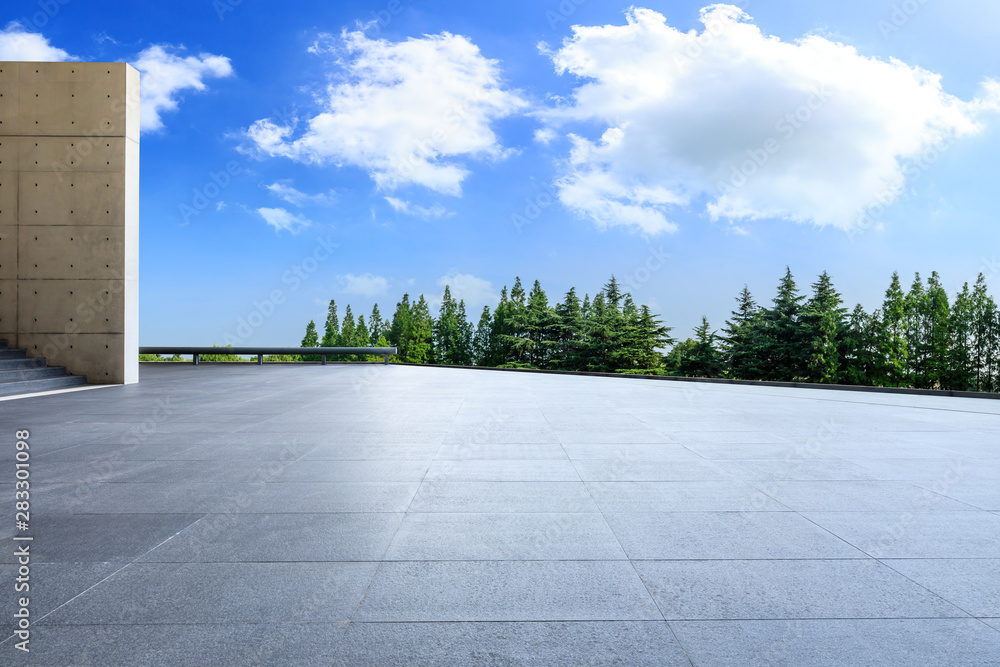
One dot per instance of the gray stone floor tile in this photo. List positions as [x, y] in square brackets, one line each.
[971, 584]
[916, 534]
[353, 471]
[787, 589]
[280, 538]
[980, 492]
[627, 470]
[858, 496]
[486, 450]
[731, 496]
[532, 536]
[507, 591]
[802, 468]
[721, 535]
[51, 585]
[220, 645]
[446, 496]
[835, 643]
[503, 470]
[200, 593]
[96, 538]
[636, 452]
[540, 643]
[371, 452]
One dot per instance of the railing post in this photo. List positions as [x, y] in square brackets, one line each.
[196, 359]
[260, 359]
[387, 360]
[324, 359]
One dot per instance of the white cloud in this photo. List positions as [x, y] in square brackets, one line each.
[366, 285]
[16, 44]
[807, 130]
[164, 75]
[475, 291]
[403, 111]
[282, 220]
[408, 208]
[284, 190]
[545, 135]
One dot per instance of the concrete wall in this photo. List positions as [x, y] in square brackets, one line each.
[69, 215]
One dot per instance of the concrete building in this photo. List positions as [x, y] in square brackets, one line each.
[69, 215]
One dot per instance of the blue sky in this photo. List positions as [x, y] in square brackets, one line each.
[686, 149]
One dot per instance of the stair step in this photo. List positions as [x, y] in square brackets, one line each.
[17, 364]
[13, 354]
[31, 373]
[46, 384]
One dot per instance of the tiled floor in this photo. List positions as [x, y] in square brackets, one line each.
[300, 515]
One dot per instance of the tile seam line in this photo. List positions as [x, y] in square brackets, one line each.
[90, 588]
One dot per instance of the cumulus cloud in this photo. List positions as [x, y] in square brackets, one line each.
[164, 75]
[16, 44]
[475, 291]
[406, 112]
[408, 208]
[283, 220]
[285, 191]
[756, 127]
[366, 285]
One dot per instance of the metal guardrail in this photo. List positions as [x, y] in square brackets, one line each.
[322, 352]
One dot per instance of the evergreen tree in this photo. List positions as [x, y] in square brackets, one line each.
[782, 350]
[568, 332]
[702, 359]
[466, 332]
[376, 326]
[937, 319]
[653, 337]
[401, 330]
[422, 345]
[348, 333]
[822, 322]
[917, 309]
[892, 340]
[961, 369]
[541, 327]
[311, 339]
[675, 362]
[482, 340]
[859, 352]
[742, 338]
[451, 333]
[331, 331]
[985, 337]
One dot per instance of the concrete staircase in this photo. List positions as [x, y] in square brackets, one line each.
[20, 375]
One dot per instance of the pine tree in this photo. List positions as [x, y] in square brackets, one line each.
[376, 326]
[985, 337]
[702, 359]
[311, 339]
[422, 346]
[961, 369]
[540, 326]
[400, 333]
[568, 332]
[465, 355]
[482, 340]
[892, 339]
[822, 322]
[859, 353]
[653, 337]
[450, 332]
[348, 333]
[917, 335]
[741, 339]
[331, 331]
[938, 337]
[782, 351]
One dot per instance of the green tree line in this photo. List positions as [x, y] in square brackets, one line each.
[917, 338]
